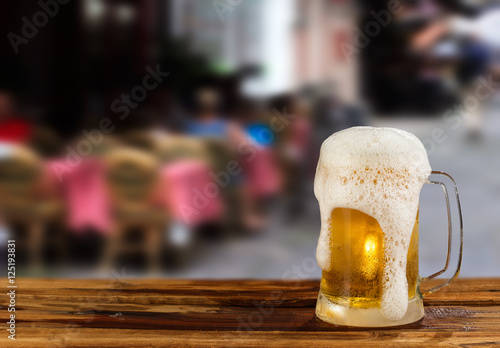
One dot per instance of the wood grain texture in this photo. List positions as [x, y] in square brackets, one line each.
[178, 313]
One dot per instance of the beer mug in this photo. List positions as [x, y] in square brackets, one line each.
[368, 183]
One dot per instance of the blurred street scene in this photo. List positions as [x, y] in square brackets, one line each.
[180, 137]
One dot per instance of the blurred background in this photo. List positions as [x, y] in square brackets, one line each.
[180, 137]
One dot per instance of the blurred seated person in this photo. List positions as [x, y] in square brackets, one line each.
[13, 129]
[209, 124]
[265, 129]
[296, 155]
[16, 129]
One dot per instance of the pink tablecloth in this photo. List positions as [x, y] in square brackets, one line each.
[190, 194]
[84, 191]
[262, 173]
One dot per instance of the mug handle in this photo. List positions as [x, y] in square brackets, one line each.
[448, 281]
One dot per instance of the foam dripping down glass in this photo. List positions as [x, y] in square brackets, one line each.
[368, 183]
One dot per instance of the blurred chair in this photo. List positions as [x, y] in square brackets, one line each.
[25, 200]
[142, 140]
[100, 145]
[132, 178]
[186, 168]
[175, 148]
[220, 154]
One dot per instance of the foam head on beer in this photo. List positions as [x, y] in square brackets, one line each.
[380, 172]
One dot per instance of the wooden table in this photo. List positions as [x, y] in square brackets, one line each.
[147, 312]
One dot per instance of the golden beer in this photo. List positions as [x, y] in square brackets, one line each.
[354, 278]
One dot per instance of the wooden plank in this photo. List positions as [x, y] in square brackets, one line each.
[157, 312]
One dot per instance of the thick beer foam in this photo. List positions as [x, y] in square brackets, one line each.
[380, 172]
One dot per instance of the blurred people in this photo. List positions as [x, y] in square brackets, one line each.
[263, 178]
[209, 124]
[453, 57]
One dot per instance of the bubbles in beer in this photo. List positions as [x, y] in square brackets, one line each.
[380, 172]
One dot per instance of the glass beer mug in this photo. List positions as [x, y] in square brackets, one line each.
[368, 183]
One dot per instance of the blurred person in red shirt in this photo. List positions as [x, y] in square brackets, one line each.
[13, 129]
